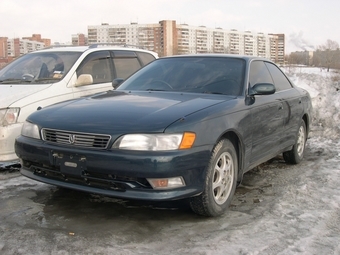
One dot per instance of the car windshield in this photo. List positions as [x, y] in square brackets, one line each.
[38, 68]
[213, 75]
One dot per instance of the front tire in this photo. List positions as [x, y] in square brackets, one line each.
[220, 181]
[295, 155]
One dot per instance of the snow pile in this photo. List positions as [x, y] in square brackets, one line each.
[324, 90]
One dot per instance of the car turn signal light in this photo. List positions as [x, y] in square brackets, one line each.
[187, 140]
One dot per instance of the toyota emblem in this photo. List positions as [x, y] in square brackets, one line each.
[72, 139]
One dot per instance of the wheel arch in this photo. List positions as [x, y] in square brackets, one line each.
[306, 119]
[239, 147]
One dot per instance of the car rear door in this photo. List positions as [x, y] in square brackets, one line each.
[126, 62]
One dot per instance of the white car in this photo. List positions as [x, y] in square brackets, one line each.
[48, 76]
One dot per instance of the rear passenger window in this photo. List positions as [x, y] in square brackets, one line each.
[126, 66]
[124, 54]
[146, 58]
[259, 73]
[280, 80]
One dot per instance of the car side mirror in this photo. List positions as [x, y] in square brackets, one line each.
[84, 79]
[262, 89]
[116, 82]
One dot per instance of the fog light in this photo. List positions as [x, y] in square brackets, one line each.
[167, 183]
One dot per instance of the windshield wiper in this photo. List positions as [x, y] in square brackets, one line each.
[7, 81]
[46, 79]
[18, 81]
[156, 90]
[211, 92]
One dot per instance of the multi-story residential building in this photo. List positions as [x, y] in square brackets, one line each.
[3, 52]
[17, 47]
[277, 46]
[13, 48]
[79, 39]
[37, 38]
[3, 47]
[169, 38]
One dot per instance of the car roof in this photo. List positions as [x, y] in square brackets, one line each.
[244, 57]
[94, 47]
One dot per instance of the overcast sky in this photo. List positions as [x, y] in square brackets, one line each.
[304, 22]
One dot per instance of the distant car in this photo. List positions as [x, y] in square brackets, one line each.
[48, 76]
[183, 127]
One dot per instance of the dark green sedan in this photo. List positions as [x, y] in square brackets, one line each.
[183, 127]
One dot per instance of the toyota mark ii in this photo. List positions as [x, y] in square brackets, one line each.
[183, 127]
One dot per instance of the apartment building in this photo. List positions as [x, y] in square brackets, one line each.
[145, 36]
[79, 39]
[13, 48]
[169, 38]
[17, 47]
[37, 38]
[277, 46]
[3, 52]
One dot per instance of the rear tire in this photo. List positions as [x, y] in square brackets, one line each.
[220, 181]
[295, 155]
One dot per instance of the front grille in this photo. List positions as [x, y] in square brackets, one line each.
[86, 140]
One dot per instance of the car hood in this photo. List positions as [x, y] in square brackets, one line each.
[12, 93]
[123, 112]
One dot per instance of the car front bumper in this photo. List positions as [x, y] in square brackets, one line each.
[116, 173]
[7, 139]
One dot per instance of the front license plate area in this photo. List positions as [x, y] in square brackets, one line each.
[71, 164]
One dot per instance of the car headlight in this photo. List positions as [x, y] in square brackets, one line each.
[155, 142]
[30, 130]
[9, 116]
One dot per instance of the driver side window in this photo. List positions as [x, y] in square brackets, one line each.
[259, 73]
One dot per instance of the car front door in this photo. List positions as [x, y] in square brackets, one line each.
[99, 65]
[291, 102]
[267, 117]
[105, 65]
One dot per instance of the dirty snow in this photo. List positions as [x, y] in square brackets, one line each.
[278, 209]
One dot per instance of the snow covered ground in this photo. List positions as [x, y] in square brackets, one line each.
[278, 209]
[324, 88]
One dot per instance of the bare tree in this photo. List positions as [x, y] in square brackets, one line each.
[299, 58]
[328, 53]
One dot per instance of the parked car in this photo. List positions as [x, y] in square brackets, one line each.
[48, 76]
[183, 127]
